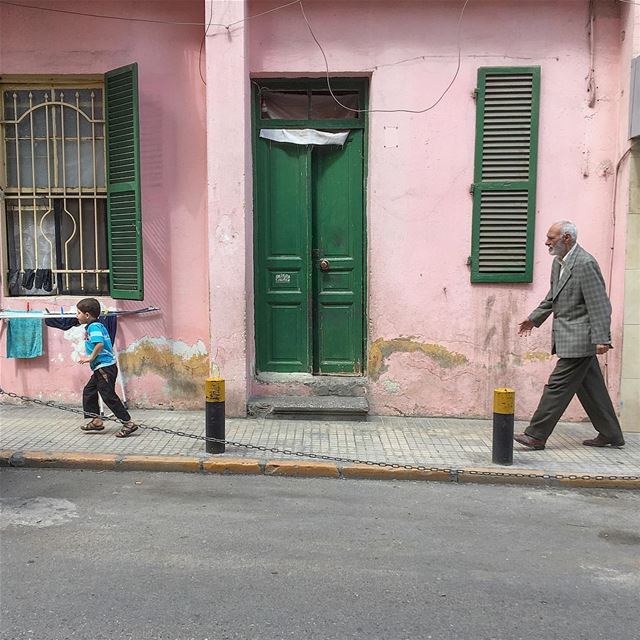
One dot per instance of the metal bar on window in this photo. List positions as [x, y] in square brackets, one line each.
[33, 183]
[80, 270]
[52, 102]
[50, 205]
[79, 169]
[95, 186]
[54, 124]
[58, 194]
[64, 186]
[15, 113]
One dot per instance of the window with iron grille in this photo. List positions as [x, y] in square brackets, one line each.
[71, 185]
[504, 188]
[55, 189]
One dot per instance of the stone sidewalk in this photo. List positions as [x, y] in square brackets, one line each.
[448, 443]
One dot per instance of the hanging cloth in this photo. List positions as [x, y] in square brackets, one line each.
[305, 136]
[110, 322]
[24, 338]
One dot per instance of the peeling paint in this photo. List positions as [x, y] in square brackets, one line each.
[536, 356]
[390, 386]
[184, 367]
[381, 349]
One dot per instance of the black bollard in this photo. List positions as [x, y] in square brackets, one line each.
[214, 414]
[503, 410]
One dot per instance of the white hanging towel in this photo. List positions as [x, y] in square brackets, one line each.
[304, 136]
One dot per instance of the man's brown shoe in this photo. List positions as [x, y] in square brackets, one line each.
[601, 441]
[528, 441]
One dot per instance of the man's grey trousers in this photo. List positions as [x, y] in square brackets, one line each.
[572, 376]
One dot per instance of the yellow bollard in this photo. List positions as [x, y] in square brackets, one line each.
[214, 414]
[504, 402]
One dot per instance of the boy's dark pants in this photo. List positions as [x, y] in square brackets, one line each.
[103, 382]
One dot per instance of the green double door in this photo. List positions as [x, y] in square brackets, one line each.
[309, 257]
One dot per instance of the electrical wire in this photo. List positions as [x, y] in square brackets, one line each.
[614, 201]
[204, 37]
[326, 64]
[126, 19]
[227, 27]
[264, 13]
[100, 15]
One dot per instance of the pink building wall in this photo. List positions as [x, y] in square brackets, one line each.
[422, 309]
[164, 355]
[437, 344]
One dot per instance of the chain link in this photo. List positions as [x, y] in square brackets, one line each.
[321, 456]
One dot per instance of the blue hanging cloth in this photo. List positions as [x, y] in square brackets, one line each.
[109, 321]
[24, 338]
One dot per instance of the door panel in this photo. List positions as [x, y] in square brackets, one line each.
[282, 220]
[337, 210]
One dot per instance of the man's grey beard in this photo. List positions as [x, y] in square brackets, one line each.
[559, 250]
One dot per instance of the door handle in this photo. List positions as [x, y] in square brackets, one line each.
[324, 265]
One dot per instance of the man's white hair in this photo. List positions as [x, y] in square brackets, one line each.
[566, 226]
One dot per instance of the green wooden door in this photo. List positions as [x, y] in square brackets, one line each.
[309, 208]
[282, 268]
[338, 247]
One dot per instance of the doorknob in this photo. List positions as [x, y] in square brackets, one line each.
[324, 265]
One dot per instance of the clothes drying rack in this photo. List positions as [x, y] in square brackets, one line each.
[46, 314]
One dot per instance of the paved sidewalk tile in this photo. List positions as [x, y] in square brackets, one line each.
[434, 442]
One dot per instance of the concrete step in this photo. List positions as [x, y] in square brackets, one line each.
[310, 407]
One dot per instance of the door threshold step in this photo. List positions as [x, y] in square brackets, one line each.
[309, 407]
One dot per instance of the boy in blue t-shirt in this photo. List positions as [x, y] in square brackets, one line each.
[100, 358]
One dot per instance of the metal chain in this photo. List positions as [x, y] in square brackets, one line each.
[321, 456]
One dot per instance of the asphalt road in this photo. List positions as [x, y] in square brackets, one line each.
[101, 555]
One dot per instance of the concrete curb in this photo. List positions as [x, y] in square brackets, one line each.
[302, 469]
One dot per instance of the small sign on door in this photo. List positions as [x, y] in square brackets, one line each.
[283, 278]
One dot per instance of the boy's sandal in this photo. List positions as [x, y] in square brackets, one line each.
[92, 426]
[127, 430]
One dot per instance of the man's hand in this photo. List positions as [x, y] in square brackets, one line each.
[84, 361]
[603, 348]
[525, 328]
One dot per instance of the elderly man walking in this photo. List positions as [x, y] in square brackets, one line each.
[581, 329]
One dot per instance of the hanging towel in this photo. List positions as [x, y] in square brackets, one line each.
[24, 338]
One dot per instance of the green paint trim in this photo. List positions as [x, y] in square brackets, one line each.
[356, 85]
[481, 185]
[129, 74]
[361, 85]
[310, 124]
[365, 235]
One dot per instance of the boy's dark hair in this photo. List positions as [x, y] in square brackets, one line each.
[90, 306]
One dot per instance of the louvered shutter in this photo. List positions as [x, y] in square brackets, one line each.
[504, 189]
[123, 183]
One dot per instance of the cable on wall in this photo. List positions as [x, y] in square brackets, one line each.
[227, 27]
[100, 15]
[614, 202]
[326, 64]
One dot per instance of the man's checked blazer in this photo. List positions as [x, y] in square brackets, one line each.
[580, 306]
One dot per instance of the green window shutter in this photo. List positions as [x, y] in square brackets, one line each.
[123, 183]
[504, 188]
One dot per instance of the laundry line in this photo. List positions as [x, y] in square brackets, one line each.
[34, 315]
[65, 321]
